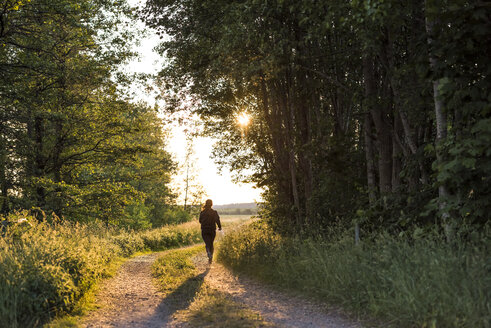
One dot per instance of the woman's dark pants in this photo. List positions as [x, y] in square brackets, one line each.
[209, 237]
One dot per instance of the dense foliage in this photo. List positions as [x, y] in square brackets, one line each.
[71, 142]
[45, 269]
[407, 282]
[374, 110]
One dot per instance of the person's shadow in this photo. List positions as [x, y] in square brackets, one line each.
[182, 297]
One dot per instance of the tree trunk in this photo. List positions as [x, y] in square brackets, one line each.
[187, 185]
[398, 101]
[396, 160]
[305, 127]
[441, 129]
[39, 160]
[276, 120]
[57, 166]
[4, 181]
[273, 121]
[369, 151]
[384, 140]
[290, 114]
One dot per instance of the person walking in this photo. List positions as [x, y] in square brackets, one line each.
[209, 220]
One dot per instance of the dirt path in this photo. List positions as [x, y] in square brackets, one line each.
[131, 299]
[281, 309]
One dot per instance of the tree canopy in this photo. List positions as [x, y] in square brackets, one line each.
[376, 111]
[72, 143]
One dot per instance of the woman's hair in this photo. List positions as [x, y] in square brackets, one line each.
[208, 204]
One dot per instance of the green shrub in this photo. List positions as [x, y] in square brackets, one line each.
[409, 283]
[172, 236]
[171, 215]
[46, 268]
[129, 242]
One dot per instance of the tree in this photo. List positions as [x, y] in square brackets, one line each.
[343, 99]
[76, 145]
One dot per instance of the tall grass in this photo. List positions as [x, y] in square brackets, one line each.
[407, 283]
[46, 268]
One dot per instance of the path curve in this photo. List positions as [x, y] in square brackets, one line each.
[279, 308]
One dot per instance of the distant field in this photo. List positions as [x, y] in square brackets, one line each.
[237, 209]
[228, 220]
[231, 219]
[236, 206]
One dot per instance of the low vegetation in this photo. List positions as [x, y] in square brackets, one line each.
[193, 301]
[46, 269]
[175, 269]
[212, 308]
[408, 282]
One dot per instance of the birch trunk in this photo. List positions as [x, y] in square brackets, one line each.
[441, 129]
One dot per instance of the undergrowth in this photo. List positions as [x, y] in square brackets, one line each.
[406, 282]
[45, 269]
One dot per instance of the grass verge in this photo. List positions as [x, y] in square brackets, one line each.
[176, 273]
[192, 300]
[417, 283]
[214, 309]
[88, 300]
[47, 271]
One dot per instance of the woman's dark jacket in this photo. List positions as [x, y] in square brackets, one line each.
[209, 219]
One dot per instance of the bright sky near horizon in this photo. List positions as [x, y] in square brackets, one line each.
[218, 187]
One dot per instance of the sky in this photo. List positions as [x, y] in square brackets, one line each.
[217, 186]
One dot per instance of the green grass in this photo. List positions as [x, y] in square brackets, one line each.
[66, 322]
[175, 269]
[214, 309]
[47, 270]
[192, 300]
[418, 283]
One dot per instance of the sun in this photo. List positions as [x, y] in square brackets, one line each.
[243, 120]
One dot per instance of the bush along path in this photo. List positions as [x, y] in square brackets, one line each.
[47, 270]
[178, 288]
